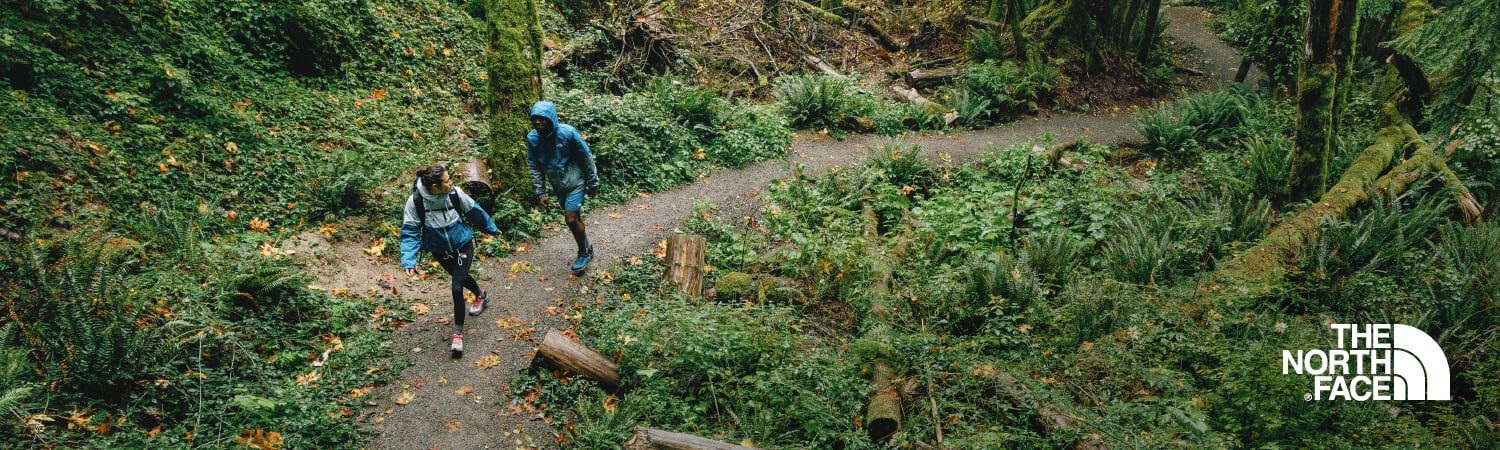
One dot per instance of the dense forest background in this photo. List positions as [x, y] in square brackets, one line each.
[1137, 295]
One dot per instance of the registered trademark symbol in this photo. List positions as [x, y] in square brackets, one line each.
[1307, 397]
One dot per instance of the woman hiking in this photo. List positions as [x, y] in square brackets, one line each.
[433, 220]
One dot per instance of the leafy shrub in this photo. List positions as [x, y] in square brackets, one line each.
[1182, 129]
[1146, 249]
[1470, 260]
[636, 142]
[1341, 269]
[972, 109]
[748, 134]
[727, 367]
[984, 46]
[1054, 254]
[1010, 89]
[814, 101]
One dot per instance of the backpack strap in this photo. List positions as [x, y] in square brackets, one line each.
[422, 206]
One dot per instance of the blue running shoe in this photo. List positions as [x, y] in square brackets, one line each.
[583, 259]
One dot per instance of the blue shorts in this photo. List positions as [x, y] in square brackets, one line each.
[573, 202]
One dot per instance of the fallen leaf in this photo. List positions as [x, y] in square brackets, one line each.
[464, 390]
[486, 362]
[405, 397]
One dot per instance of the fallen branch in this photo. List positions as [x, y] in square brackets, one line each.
[821, 65]
[651, 439]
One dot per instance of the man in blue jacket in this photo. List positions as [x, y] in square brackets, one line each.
[433, 221]
[558, 156]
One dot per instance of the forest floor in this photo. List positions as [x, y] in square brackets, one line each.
[439, 402]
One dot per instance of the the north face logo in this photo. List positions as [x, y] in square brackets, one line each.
[1373, 362]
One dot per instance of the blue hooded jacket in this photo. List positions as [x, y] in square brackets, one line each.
[444, 232]
[560, 158]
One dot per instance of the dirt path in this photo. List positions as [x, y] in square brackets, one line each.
[460, 404]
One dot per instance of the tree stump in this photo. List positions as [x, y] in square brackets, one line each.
[685, 263]
[650, 439]
[577, 358]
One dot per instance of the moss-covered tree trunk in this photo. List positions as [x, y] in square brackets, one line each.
[1317, 79]
[513, 63]
[1148, 37]
[1345, 36]
[1013, 20]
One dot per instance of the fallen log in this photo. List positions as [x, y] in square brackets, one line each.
[475, 176]
[982, 22]
[881, 36]
[685, 263]
[916, 98]
[883, 412]
[14, 237]
[1269, 260]
[577, 358]
[821, 65]
[924, 78]
[652, 439]
[820, 13]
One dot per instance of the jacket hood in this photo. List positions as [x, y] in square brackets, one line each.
[547, 110]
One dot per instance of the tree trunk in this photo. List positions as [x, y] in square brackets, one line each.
[513, 64]
[1148, 40]
[1013, 20]
[1127, 28]
[685, 256]
[1345, 38]
[1317, 80]
[577, 358]
[650, 439]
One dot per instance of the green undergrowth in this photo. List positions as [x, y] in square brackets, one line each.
[181, 340]
[1040, 305]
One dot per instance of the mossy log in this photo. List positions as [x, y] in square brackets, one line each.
[685, 264]
[884, 410]
[1268, 261]
[574, 357]
[759, 287]
[881, 36]
[820, 13]
[883, 413]
[652, 439]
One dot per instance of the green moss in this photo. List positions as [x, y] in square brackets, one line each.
[513, 61]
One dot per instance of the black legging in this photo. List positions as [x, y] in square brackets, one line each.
[457, 264]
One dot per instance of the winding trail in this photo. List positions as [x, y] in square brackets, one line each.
[456, 405]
